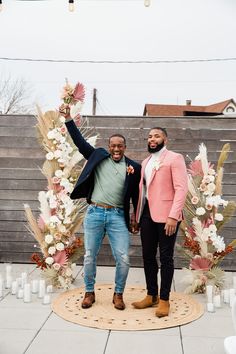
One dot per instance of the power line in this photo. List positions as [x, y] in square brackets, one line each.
[120, 61]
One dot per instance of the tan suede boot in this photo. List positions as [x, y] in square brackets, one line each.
[163, 308]
[148, 301]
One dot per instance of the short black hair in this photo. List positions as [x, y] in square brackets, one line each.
[119, 136]
[160, 128]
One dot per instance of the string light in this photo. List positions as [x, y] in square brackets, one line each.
[71, 6]
[147, 3]
[0, 5]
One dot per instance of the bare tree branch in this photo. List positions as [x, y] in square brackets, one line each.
[15, 96]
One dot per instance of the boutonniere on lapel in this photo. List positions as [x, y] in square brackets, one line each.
[130, 169]
[157, 165]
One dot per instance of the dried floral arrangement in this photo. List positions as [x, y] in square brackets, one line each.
[60, 217]
[205, 214]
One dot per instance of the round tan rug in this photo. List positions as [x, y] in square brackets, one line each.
[103, 315]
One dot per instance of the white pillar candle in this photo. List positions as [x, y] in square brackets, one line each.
[35, 286]
[1, 287]
[210, 307]
[49, 289]
[231, 296]
[46, 299]
[209, 293]
[226, 296]
[27, 293]
[19, 282]
[20, 294]
[234, 282]
[8, 281]
[8, 269]
[14, 287]
[216, 301]
[23, 279]
[41, 288]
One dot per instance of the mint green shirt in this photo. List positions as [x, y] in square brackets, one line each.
[109, 182]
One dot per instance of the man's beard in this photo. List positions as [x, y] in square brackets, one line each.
[156, 149]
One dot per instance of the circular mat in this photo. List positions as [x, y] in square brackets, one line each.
[103, 315]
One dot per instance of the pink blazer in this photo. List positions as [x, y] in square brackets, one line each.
[167, 189]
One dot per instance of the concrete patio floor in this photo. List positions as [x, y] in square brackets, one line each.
[32, 328]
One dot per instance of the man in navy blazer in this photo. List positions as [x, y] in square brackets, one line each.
[109, 182]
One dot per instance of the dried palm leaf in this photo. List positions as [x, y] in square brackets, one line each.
[203, 158]
[223, 156]
[49, 168]
[227, 213]
[51, 276]
[219, 178]
[77, 254]
[76, 223]
[35, 230]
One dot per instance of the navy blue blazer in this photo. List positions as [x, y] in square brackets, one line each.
[85, 184]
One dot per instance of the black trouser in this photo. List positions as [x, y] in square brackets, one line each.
[152, 236]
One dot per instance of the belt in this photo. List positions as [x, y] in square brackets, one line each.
[102, 205]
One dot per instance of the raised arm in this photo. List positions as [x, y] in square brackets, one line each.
[84, 147]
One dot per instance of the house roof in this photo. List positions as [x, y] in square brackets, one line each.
[183, 110]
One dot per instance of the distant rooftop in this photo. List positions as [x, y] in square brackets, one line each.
[228, 106]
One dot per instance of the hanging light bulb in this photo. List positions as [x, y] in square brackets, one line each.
[147, 3]
[71, 5]
[0, 5]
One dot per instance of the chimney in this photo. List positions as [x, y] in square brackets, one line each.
[188, 102]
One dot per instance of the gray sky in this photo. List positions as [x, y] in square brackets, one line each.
[123, 30]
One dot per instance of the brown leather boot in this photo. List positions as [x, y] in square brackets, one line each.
[118, 301]
[89, 299]
[148, 301]
[163, 308]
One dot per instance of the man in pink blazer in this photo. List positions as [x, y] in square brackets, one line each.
[163, 189]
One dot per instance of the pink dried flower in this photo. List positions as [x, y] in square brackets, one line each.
[60, 257]
[79, 92]
[194, 200]
[200, 263]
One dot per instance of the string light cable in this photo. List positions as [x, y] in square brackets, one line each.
[161, 61]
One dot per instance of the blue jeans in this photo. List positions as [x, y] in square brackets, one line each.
[98, 222]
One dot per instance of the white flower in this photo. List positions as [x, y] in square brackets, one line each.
[206, 179]
[62, 119]
[48, 238]
[211, 187]
[61, 228]
[225, 203]
[211, 171]
[218, 242]
[57, 153]
[52, 250]
[156, 165]
[219, 217]
[56, 266]
[213, 228]
[68, 272]
[67, 221]
[200, 211]
[51, 134]
[60, 246]
[50, 156]
[49, 260]
[58, 173]
[54, 219]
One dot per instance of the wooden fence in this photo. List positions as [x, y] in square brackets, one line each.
[21, 179]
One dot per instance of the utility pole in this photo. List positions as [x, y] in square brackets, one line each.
[94, 101]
